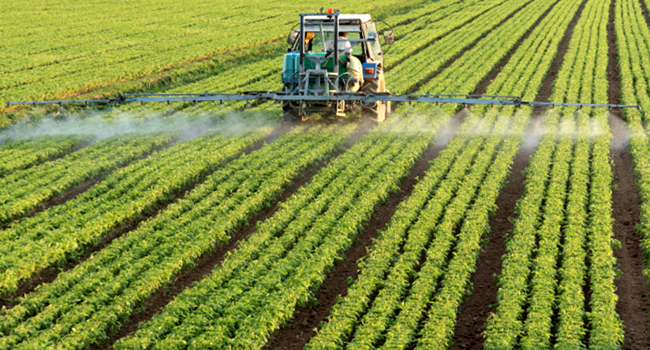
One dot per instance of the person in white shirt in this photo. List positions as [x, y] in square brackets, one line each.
[344, 44]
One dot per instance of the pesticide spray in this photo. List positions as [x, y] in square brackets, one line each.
[188, 126]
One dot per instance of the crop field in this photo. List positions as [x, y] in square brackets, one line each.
[220, 226]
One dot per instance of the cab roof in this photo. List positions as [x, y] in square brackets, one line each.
[342, 17]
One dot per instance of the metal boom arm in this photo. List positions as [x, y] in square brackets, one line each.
[283, 96]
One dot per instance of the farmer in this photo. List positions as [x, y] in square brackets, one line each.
[344, 44]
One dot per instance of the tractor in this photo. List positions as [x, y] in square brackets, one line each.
[314, 67]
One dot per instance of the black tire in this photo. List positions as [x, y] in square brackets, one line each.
[289, 113]
[380, 110]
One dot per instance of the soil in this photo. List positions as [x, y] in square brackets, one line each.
[644, 10]
[477, 306]
[547, 86]
[613, 74]
[57, 200]
[632, 286]
[75, 149]
[48, 275]
[298, 331]
[73, 192]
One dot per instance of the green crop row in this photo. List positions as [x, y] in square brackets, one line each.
[587, 53]
[146, 259]
[632, 39]
[580, 220]
[441, 318]
[543, 280]
[416, 18]
[64, 231]
[606, 326]
[571, 299]
[41, 142]
[413, 309]
[504, 327]
[630, 44]
[23, 154]
[437, 188]
[284, 261]
[466, 72]
[441, 23]
[525, 71]
[430, 59]
[25, 190]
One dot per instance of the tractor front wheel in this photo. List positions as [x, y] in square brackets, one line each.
[380, 110]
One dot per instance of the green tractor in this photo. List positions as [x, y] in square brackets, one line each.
[312, 67]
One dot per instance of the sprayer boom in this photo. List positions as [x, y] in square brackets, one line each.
[364, 98]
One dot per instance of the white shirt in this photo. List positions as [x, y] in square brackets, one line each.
[344, 44]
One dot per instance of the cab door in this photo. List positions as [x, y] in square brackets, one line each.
[374, 47]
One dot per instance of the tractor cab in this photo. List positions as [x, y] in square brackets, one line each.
[312, 67]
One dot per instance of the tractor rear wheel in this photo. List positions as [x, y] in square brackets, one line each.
[380, 110]
[289, 113]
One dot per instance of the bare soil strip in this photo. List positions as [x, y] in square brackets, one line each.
[75, 191]
[644, 10]
[298, 331]
[614, 84]
[48, 275]
[632, 286]
[78, 148]
[547, 86]
[476, 307]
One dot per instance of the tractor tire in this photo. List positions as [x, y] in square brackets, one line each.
[290, 114]
[380, 111]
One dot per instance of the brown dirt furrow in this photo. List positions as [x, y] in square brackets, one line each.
[48, 275]
[75, 149]
[477, 306]
[644, 10]
[613, 74]
[299, 330]
[547, 85]
[75, 191]
[632, 286]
